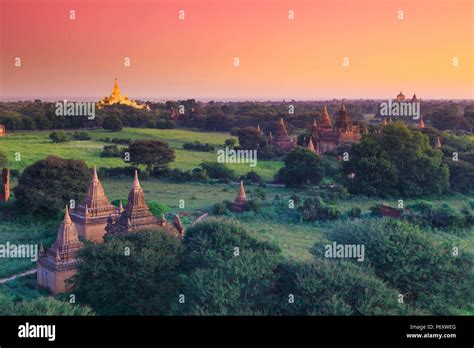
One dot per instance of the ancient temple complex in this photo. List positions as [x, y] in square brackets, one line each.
[5, 185]
[92, 215]
[137, 217]
[58, 264]
[281, 138]
[239, 203]
[117, 98]
[328, 137]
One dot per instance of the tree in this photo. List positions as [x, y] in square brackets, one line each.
[375, 173]
[48, 185]
[226, 271]
[250, 139]
[302, 166]
[135, 274]
[422, 266]
[332, 287]
[151, 153]
[401, 161]
[112, 123]
[420, 168]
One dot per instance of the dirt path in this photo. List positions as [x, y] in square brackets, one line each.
[4, 280]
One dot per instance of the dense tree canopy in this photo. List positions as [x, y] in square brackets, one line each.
[401, 161]
[424, 268]
[48, 185]
[151, 153]
[301, 167]
[135, 274]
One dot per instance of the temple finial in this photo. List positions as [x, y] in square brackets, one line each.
[242, 190]
[67, 218]
[136, 183]
[95, 177]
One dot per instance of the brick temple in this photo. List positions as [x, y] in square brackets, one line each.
[281, 138]
[239, 203]
[92, 215]
[58, 264]
[328, 137]
[137, 217]
[5, 186]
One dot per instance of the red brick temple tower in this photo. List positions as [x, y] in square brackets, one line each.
[59, 263]
[137, 216]
[329, 138]
[239, 203]
[5, 186]
[281, 138]
[92, 214]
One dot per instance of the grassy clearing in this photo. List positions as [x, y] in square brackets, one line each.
[35, 146]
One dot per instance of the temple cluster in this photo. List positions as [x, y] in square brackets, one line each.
[93, 220]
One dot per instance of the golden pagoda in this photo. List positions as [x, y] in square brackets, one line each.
[117, 98]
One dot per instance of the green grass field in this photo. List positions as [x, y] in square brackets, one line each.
[32, 147]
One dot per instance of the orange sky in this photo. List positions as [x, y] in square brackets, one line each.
[279, 58]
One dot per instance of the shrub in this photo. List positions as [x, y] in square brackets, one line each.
[253, 177]
[219, 209]
[166, 124]
[111, 151]
[58, 137]
[158, 209]
[253, 205]
[81, 136]
[230, 142]
[218, 171]
[314, 209]
[354, 213]
[118, 172]
[197, 146]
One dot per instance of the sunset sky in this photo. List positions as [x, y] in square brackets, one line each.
[279, 58]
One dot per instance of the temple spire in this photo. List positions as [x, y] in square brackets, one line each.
[438, 143]
[95, 177]
[241, 196]
[310, 146]
[343, 105]
[136, 183]
[325, 119]
[421, 123]
[67, 218]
